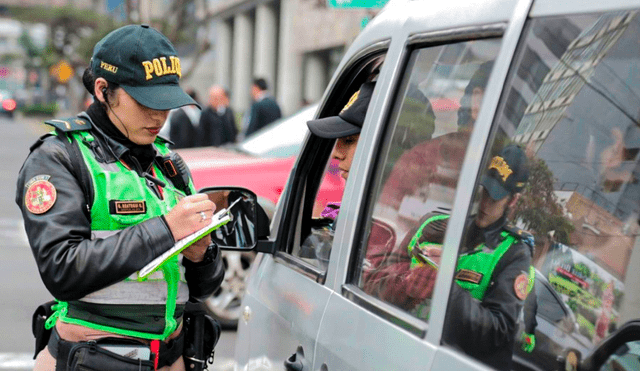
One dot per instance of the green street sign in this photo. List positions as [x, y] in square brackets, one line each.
[356, 4]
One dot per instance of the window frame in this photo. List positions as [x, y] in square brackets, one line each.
[308, 172]
[349, 289]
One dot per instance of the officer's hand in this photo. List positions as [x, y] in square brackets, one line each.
[528, 342]
[190, 214]
[434, 253]
[196, 251]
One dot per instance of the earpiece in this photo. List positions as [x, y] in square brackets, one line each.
[104, 94]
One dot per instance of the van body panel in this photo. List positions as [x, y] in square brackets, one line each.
[341, 327]
[285, 313]
[355, 339]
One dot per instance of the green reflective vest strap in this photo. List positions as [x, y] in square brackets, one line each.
[130, 187]
[532, 278]
[418, 235]
[481, 261]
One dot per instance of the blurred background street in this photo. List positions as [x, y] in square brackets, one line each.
[294, 46]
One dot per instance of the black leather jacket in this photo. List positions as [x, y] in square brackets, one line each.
[486, 329]
[70, 263]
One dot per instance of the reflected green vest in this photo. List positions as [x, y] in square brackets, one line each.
[475, 268]
[123, 199]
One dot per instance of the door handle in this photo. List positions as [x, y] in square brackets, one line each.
[296, 362]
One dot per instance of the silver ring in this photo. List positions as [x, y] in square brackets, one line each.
[203, 216]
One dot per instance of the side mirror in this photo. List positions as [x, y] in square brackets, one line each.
[626, 357]
[619, 351]
[248, 223]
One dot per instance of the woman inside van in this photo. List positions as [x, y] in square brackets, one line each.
[345, 127]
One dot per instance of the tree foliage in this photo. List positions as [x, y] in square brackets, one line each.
[538, 207]
[73, 32]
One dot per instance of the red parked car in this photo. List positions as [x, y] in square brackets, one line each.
[262, 162]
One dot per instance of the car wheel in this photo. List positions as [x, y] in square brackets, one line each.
[225, 304]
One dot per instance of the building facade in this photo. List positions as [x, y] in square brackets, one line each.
[295, 45]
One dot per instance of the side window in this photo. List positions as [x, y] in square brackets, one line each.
[570, 106]
[340, 131]
[548, 305]
[417, 177]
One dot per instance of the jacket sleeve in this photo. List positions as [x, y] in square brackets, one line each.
[389, 275]
[253, 119]
[204, 279]
[480, 327]
[530, 311]
[70, 263]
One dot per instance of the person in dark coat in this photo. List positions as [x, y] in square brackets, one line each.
[217, 124]
[183, 124]
[264, 109]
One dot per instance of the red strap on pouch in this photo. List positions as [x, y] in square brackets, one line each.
[155, 348]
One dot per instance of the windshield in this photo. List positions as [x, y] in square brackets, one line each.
[282, 138]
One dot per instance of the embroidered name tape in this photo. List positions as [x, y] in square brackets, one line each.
[468, 276]
[127, 207]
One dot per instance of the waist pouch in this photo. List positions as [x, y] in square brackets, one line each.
[201, 336]
[38, 320]
[92, 355]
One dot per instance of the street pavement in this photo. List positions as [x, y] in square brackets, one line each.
[22, 290]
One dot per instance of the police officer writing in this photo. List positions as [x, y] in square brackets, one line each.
[102, 196]
[493, 272]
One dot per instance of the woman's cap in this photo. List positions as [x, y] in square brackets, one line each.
[350, 120]
[507, 173]
[144, 63]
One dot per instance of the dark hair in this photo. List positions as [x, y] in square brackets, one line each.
[89, 81]
[479, 79]
[260, 83]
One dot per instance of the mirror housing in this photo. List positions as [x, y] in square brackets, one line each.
[249, 222]
[613, 346]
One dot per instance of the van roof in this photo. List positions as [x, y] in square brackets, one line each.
[419, 16]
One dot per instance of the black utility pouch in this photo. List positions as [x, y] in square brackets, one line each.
[201, 336]
[38, 320]
[90, 356]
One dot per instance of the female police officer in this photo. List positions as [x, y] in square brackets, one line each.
[101, 197]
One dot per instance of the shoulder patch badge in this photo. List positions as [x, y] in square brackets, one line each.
[40, 195]
[520, 286]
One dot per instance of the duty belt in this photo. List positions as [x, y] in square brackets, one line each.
[60, 349]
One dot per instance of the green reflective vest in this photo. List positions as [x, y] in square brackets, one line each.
[475, 268]
[123, 199]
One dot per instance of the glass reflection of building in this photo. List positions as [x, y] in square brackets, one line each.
[571, 70]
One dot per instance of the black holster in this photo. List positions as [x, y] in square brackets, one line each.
[201, 336]
[38, 320]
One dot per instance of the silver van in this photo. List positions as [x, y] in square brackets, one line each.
[455, 82]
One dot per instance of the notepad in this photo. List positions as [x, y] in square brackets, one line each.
[219, 219]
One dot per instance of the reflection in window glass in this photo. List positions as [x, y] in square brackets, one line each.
[548, 305]
[432, 121]
[581, 132]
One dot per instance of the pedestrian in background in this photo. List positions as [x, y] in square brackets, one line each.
[217, 123]
[264, 109]
[183, 123]
[103, 196]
